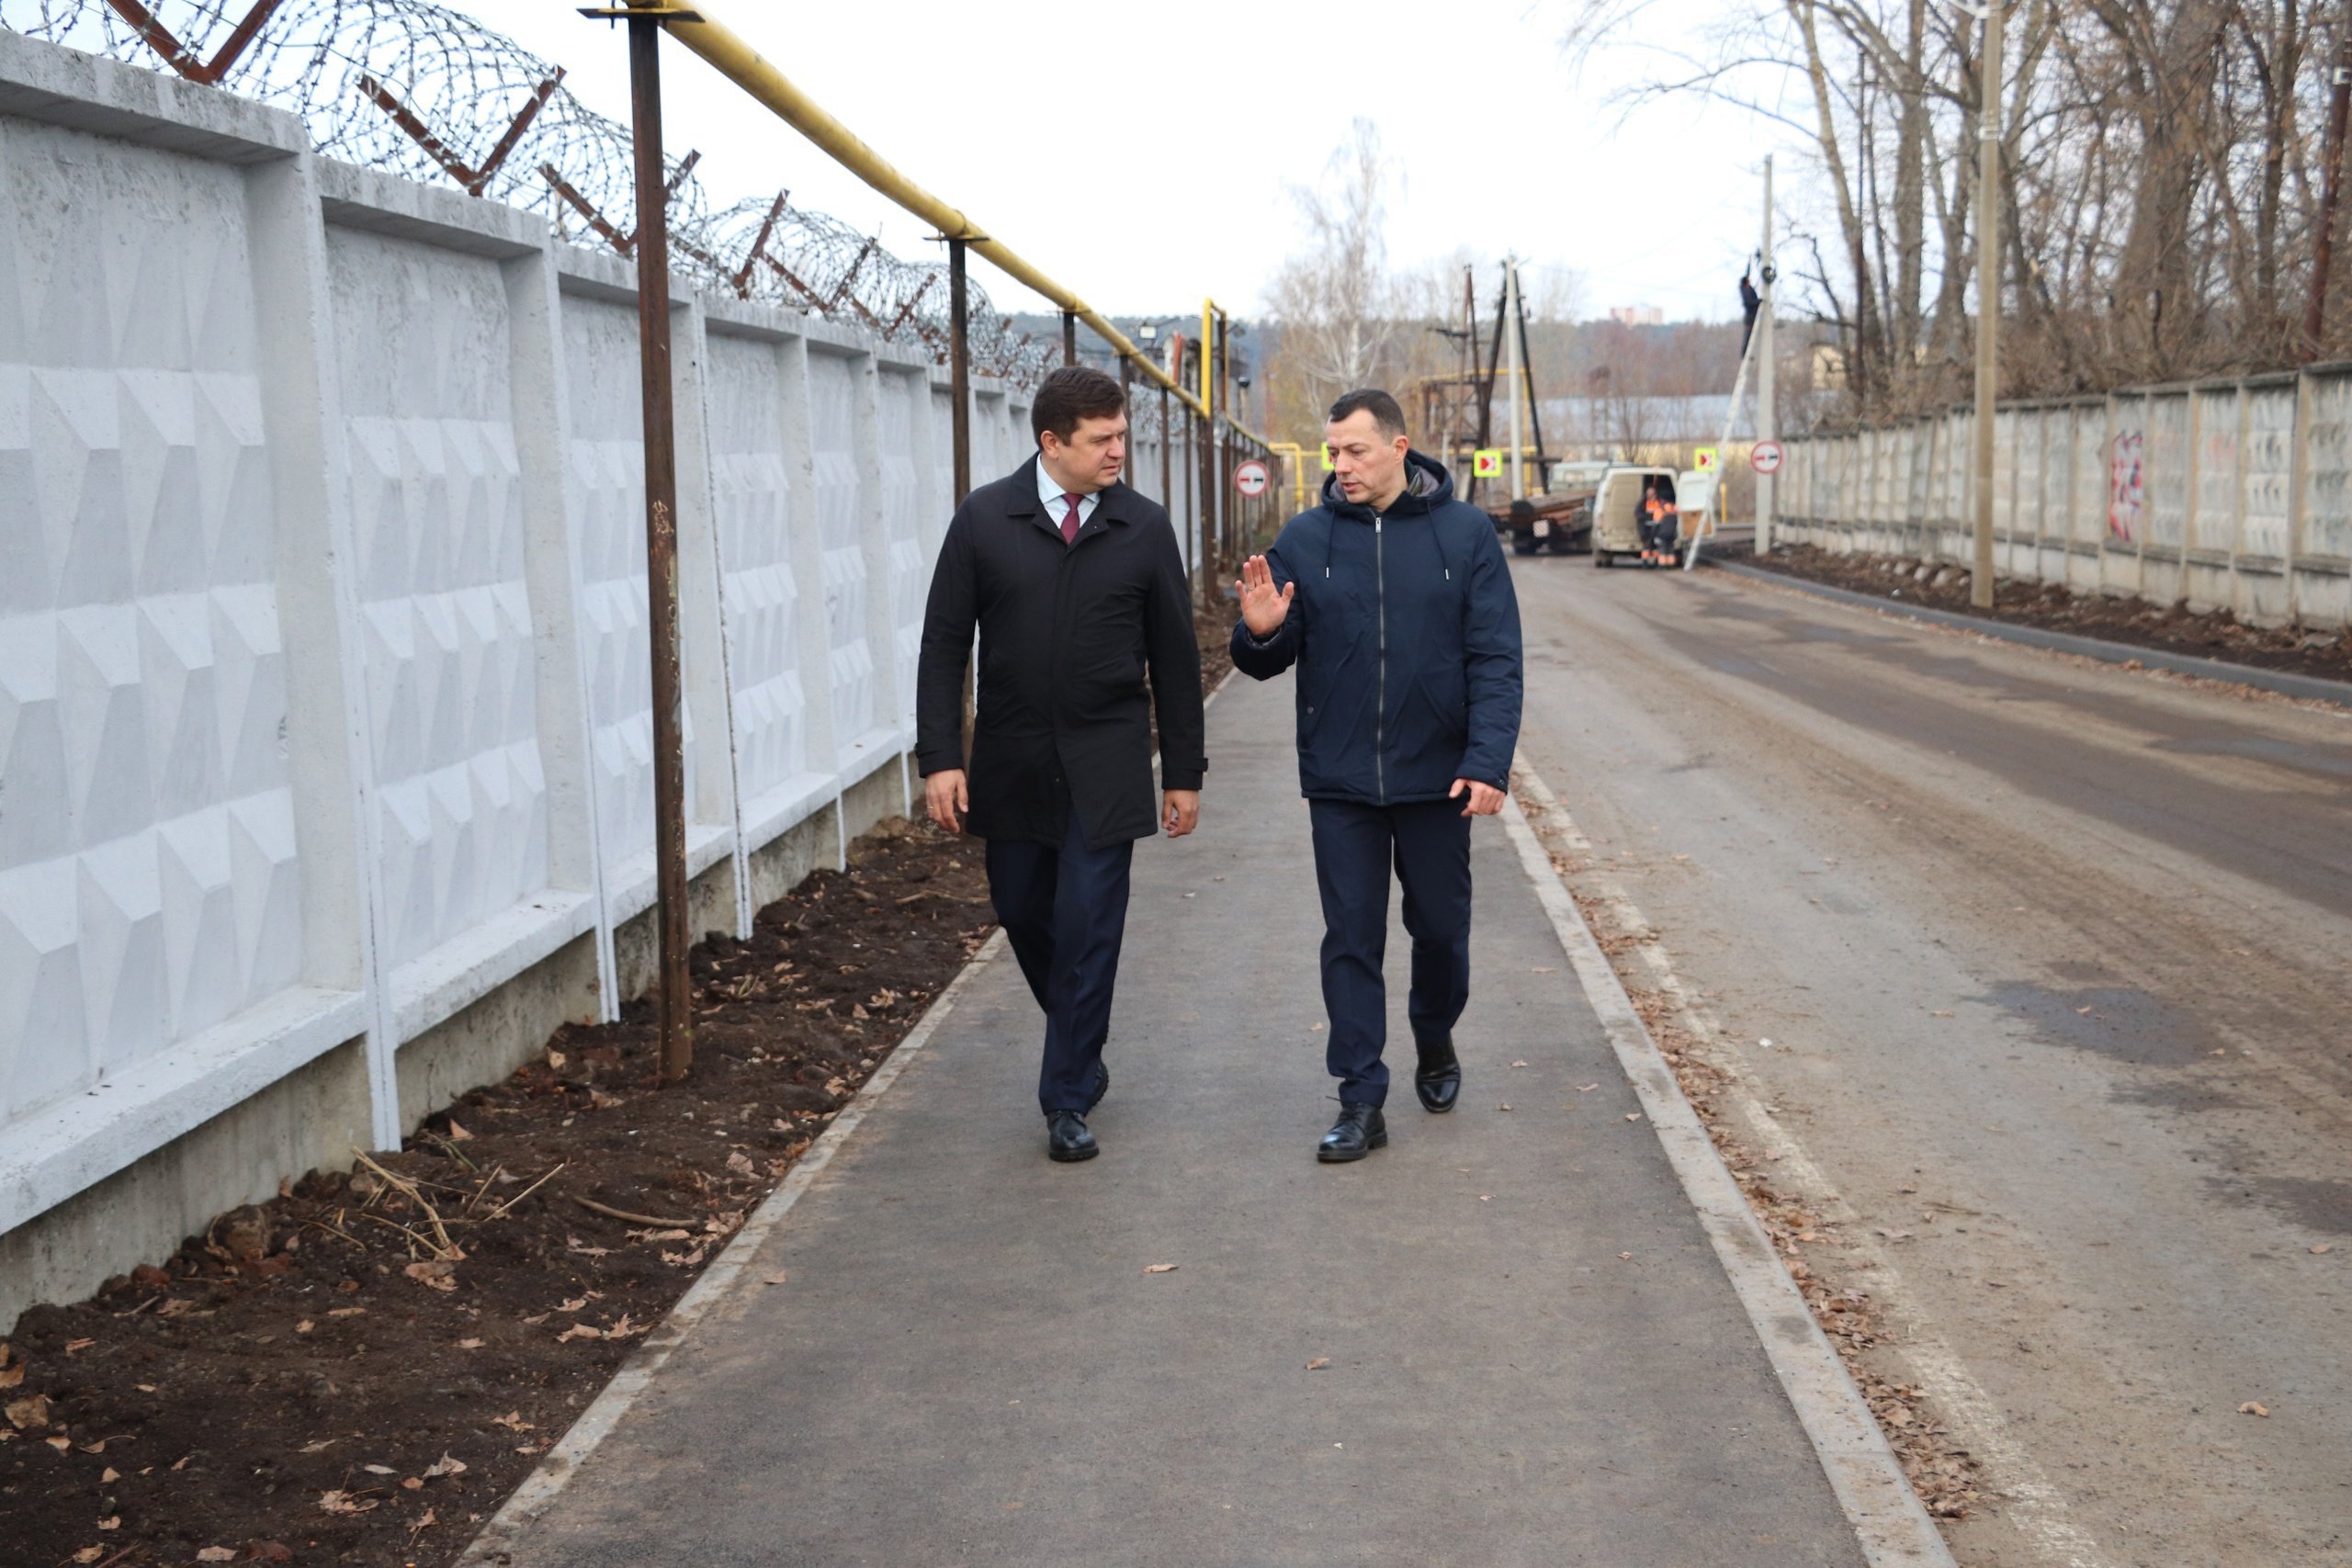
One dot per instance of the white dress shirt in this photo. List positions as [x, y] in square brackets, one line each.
[1056, 509]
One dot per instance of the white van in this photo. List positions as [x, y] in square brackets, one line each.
[1617, 510]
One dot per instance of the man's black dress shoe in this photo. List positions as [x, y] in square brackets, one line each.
[1438, 1080]
[1360, 1130]
[1102, 1085]
[1067, 1138]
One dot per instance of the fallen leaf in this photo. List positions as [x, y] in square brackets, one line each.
[1625, 1258]
[2251, 1408]
[574, 1305]
[28, 1413]
[458, 1134]
[320, 1447]
[217, 1554]
[2324, 1248]
[512, 1421]
[739, 1162]
[779, 1278]
[555, 1060]
[74, 1345]
[379, 1469]
[1159, 1267]
[346, 1312]
[469, 1344]
[1485, 1197]
[341, 1502]
[445, 1465]
[1313, 1029]
[1586, 1088]
[1519, 1064]
[411, 1485]
[111, 1522]
[426, 1523]
[579, 1331]
[1318, 1364]
[11, 1376]
[1544, 969]
[62, 1445]
[304, 1326]
[108, 1476]
[1632, 1116]
[1941, 1012]
[89, 1555]
[434, 1272]
[1504, 1106]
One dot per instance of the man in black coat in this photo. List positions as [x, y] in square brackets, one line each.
[1077, 588]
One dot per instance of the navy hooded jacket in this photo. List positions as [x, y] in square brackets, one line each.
[1404, 629]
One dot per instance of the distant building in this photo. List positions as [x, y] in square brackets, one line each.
[1637, 315]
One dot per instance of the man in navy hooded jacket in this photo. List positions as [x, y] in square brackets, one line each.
[1394, 602]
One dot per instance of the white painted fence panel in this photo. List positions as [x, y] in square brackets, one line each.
[149, 885]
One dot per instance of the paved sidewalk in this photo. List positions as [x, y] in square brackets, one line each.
[969, 1365]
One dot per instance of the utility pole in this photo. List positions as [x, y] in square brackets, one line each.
[1511, 347]
[2324, 251]
[1766, 427]
[677, 1036]
[1988, 298]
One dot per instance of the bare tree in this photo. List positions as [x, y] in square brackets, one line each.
[1338, 308]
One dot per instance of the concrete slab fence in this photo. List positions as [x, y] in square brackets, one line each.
[2230, 494]
[325, 733]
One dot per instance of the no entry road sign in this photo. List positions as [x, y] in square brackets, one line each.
[1766, 458]
[1251, 479]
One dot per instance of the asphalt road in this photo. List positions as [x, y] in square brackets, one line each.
[2065, 951]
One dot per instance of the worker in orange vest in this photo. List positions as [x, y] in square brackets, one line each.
[1658, 527]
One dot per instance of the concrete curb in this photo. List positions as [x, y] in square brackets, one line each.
[561, 1463]
[2310, 688]
[1889, 1521]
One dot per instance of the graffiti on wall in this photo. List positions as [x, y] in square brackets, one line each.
[2126, 487]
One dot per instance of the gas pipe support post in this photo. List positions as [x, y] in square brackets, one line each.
[652, 248]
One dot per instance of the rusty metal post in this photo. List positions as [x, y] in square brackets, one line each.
[959, 366]
[660, 543]
[1069, 337]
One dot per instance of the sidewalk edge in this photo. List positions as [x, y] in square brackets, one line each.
[561, 1463]
[1888, 1520]
[2285, 683]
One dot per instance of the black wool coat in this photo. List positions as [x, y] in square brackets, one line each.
[1068, 634]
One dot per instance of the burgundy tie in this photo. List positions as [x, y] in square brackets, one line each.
[1069, 519]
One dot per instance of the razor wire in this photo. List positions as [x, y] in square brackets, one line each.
[419, 91]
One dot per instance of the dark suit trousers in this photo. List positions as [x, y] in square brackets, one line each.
[1064, 910]
[1427, 842]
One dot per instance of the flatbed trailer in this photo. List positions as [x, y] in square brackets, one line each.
[1561, 525]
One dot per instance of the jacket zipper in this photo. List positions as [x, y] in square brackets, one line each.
[1380, 714]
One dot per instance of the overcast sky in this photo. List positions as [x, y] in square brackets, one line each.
[1086, 139]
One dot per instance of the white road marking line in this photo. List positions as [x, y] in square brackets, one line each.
[2035, 1508]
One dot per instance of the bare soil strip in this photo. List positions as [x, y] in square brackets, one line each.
[359, 1370]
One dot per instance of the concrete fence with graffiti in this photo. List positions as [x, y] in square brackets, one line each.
[2233, 494]
[325, 766]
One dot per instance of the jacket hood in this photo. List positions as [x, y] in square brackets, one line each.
[1427, 487]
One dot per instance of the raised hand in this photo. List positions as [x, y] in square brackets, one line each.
[1264, 607]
